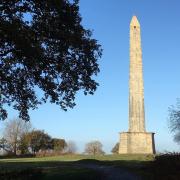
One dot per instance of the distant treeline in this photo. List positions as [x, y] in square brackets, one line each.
[19, 138]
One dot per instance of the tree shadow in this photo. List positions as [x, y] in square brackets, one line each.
[166, 167]
[46, 170]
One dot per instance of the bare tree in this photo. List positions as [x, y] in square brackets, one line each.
[174, 121]
[13, 131]
[115, 149]
[94, 148]
[71, 147]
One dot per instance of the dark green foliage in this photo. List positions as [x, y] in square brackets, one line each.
[58, 144]
[25, 143]
[44, 46]
[38, 140]
[167, 167]
[171, 159]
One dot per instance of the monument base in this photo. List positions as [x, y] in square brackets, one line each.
[136, 143]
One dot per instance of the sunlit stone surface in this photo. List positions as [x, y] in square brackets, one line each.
[136, 140]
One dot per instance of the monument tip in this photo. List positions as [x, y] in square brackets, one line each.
[134, 22]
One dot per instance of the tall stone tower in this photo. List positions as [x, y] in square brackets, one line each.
[136, 140]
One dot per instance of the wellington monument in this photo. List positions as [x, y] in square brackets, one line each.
[136, 140]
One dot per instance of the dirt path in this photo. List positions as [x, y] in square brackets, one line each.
[111, 172]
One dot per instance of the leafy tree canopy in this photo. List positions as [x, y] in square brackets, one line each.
[38, 140]
[44, 46]
[58, 144]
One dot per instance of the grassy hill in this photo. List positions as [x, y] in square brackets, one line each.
[67, 167]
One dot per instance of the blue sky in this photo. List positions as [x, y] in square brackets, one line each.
[105, 114]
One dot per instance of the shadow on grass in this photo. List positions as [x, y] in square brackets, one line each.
[46, 170]
[166, 167]
[62, 170]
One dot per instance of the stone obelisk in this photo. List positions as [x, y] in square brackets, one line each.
[136, 140]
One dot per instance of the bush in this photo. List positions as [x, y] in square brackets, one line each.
[166, 166]
[47, 153]
[17, 156]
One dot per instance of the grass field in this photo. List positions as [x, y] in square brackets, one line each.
[80, 157]
[72, 167]
[65, 166]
